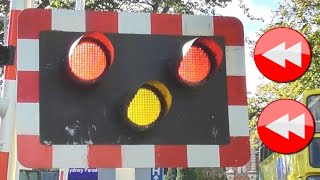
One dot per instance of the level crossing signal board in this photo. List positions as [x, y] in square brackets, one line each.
[130, 90]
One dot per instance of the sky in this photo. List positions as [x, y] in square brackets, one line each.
[258, 8]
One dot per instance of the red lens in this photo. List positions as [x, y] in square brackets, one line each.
[87, 61]
[195, 65]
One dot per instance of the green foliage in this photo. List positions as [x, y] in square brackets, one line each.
[303, 16]
[186, 174]
[210, 173]
[157, 6]
[195, 174]
[171, 174]
[4, 8]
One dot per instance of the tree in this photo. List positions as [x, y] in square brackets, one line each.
[4, 8]
[210, 173]
[157, 6]
[303, 16]
[171, 174]
[186, 174]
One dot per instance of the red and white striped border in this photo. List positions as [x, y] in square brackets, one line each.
[33, 154]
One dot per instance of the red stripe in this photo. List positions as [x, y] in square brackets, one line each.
[230, 28]
[104, 22]
[13, 27]
[32, 21]
[235, 154]
[33, 154]
[237, 90]
[105, 156]
[171, 156]
[4, 161]
[10, 71]
[28, 86]
[166, 24]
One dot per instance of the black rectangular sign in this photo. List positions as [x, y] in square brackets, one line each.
[70, 114]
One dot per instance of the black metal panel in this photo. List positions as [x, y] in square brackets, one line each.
[70, 114]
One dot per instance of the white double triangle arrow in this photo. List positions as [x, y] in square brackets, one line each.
[282, 126]
[279, 54]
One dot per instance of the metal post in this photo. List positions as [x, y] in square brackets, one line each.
[80, 5]
[29, 4]
[5, 29]
[7, 133]
[252, 174]
[253, 160]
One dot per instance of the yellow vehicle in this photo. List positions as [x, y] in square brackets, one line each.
[303, 165]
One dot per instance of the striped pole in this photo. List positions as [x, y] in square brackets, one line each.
[7, 134]
[7, 124]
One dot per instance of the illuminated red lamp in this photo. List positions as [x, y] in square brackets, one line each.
[201, 57]
[89, 57]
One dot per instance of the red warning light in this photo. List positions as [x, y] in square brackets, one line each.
[89, 57]
[87, 61]
[201, 58]
[195, 65]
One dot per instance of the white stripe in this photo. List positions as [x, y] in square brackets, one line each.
[235, 61]
[138, 156]
[30, 4]
[65, 156]
[28, 55]
[203, 156]
[194, 25]
[134, 23]
[238, 120]
[27, 118]
[17, 4]
[69, 20]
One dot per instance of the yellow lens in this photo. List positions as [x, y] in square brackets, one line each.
[145, 107]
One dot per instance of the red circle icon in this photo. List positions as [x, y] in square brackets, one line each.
[282, 54]
[286, 126]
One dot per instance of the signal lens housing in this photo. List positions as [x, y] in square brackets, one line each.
[195, 65]
[89, 57]
[146, 105]
[201, 57]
